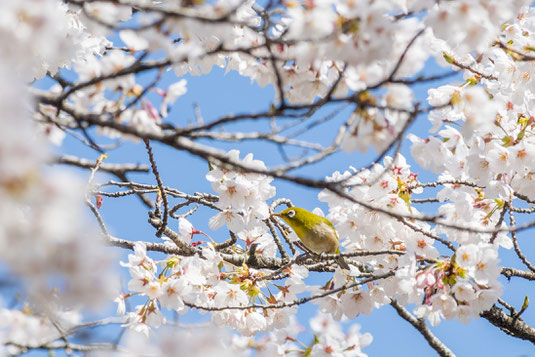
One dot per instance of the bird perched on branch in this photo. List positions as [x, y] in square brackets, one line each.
[316, 233]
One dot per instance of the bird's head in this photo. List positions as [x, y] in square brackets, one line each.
[298, 217]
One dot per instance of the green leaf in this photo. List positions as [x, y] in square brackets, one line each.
[526, 303]
[448, 58]
[472, 81]
[508, 140]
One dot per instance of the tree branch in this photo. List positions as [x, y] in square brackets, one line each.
[513, 326]
[115, 169]
[421, 326]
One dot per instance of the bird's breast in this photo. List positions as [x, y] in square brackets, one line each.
[321, 239]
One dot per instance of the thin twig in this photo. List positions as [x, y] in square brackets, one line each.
[165, 215]
[518, 251]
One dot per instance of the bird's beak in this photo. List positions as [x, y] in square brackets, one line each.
[277, 214]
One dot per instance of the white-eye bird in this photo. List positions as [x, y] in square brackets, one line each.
[317, 233]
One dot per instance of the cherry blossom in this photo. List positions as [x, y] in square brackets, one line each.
[427, 221]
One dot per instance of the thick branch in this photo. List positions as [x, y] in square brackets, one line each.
[261, 262]
[513, 326]
[421, 326]
[510, 272]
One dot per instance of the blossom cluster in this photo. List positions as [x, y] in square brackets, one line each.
[44, 237]
[48, 36]
[22, 330]
[205, 282]
[204, 341]
[465, 26]
[242, 195]
[491, 157]
[328, 340]
[208, 282]
[462, 286]
[321, 48]
[495, 148]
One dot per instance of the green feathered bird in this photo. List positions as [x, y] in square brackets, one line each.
[317, 233]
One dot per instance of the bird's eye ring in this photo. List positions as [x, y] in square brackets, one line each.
[291, 213]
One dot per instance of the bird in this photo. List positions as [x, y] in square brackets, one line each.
[316, 233]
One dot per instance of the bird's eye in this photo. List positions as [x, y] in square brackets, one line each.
[291, 213]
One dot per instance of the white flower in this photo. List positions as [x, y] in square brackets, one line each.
[329, 304]
[441, 95]
[233, 192]
[143, 121]
[254, 322]
[133, 40]
[463, 291]
[398, 96]
[185, 229]
[266, 245]
[324, 324]
[139, 256]
[192, 270]
[173, 290]
[356, 302]
[445, 304]
[431, 154]
[155, 317]
[426, 279]
[174, 91]
[231, 218]
[121, 306]
[464, 314]
[229, 295]
[484, 300]
[280, 318]
[292, 287]
[26, 329]
[137, 326]
[153, 290]
[466, 256]
[486, 269]
[298, 271]
[479, 110]
[141, 277]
